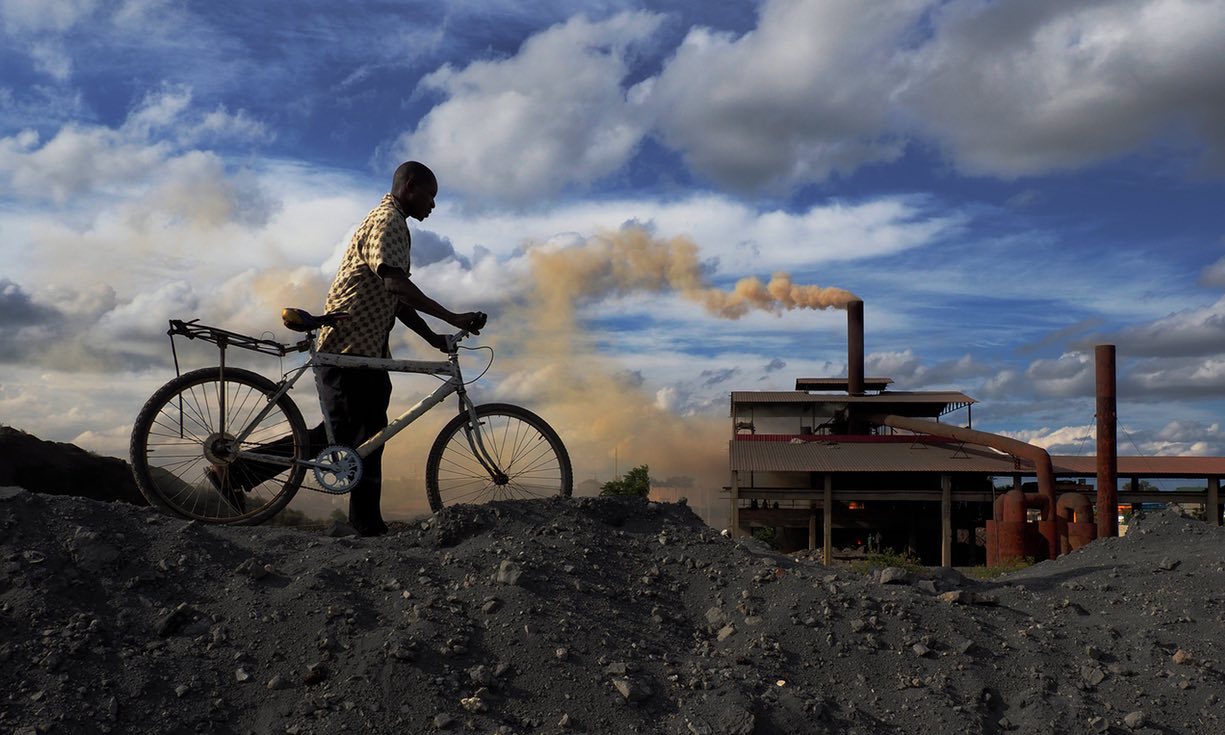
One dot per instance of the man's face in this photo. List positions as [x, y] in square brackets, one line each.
[420, 200]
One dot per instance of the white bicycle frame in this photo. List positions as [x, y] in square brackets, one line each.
[453, 383]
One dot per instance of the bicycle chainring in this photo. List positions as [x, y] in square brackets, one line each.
[339, 469]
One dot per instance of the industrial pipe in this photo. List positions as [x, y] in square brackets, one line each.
[1107, 444]
[854, 347]
[1037, 455]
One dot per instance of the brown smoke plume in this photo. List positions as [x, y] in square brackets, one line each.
[547, 362]
[630, 260]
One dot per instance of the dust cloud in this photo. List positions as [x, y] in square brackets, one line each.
[547, 362]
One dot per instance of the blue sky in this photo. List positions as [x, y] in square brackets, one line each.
[1004, 183]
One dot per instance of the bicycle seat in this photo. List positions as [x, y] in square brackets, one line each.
[300, 320]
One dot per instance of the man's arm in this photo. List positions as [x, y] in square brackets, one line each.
[395, 281]
[413, 321]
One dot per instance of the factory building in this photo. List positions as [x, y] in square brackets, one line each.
[850, 462]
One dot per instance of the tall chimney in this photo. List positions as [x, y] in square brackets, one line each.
[854, 348]
[1107, 444]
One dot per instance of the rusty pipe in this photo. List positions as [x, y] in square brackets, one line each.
[854, 347]
[1107, 443]
[1037, 455]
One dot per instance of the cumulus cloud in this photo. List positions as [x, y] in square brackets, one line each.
[816, 89]
[803, 95]
[909, 372]
[1213, 275]
[1018, 88]
[36, 16]
[513, 130]
[1073, 440]
[1187, 333]
[81, 159]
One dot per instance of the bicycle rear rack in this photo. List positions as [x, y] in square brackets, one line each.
[224, 338]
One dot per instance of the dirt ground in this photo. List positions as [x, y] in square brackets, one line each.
[595, 615]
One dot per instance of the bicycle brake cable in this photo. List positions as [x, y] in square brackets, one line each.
[474, 349]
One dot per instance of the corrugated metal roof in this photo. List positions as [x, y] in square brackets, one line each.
[1196, 467]
[818, 456]
[875, 383]
[792, 396]
[838, 457]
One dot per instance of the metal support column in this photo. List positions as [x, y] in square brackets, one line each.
[812, 526]
[1213, 511]
[946, 520]
[827, 514]
[735, 504]
[1107, 443]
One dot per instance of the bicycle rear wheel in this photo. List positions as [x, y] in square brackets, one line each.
[531, 458]
[179, 440]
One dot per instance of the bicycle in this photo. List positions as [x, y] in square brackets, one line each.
[228, 445]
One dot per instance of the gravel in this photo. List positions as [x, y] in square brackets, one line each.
[603, 615]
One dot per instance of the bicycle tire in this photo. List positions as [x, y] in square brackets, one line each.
[526, 448]
[173, 428]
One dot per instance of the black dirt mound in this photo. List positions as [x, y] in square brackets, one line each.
[63, 469]
[586, 615]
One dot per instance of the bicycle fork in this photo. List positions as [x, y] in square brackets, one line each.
[476, 442]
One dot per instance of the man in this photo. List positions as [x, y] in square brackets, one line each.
[374, 288]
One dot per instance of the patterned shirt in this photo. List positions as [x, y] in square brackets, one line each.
[381, 239]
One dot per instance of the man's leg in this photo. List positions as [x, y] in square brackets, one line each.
[356, 401]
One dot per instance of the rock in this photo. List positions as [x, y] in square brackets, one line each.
[508, 573]
[1135, 719]
[278, 682]
[340, 529]
[956, 597]
[920, 650]
[9, 492]
[631, 690]
[894, 575]
[173, 622]
[442, 721]
[473, 704]
[315, 673]
[927, 585]
[1181, 657]
[726, 632]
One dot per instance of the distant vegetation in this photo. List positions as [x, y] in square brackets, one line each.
[888, 558]
[637, 482]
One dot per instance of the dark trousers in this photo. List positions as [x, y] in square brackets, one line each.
[355, 400]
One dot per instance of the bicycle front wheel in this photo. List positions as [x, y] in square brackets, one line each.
[188, 461]
[528, 459]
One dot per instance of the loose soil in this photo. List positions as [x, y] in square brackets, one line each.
[597, 615]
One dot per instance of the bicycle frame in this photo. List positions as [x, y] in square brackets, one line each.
[452, 384]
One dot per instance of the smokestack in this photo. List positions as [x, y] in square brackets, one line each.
[1107, 444]
[854, 347]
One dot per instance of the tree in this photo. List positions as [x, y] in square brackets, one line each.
[637, 482]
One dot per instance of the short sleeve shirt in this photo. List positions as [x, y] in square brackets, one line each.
[381, 239]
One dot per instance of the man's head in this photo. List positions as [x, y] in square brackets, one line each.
[414, 188]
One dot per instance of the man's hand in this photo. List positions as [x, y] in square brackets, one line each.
[438, 342]
[470, 321]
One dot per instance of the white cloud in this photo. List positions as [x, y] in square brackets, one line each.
[803, 95]
[36, 16]
[52, 59]
[1190, 332]
[80, 160]
[1017, 88]
[1073, 440]
[518, 129]
[745, 240]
